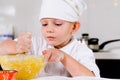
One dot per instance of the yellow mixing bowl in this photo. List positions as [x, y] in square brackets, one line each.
[28, 66]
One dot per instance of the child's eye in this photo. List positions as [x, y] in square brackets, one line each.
[44, 24]
[58, 24]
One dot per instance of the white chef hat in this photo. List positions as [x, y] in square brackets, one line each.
[69, 10]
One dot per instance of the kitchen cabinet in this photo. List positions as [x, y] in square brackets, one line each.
[109, 64]
[109, 68]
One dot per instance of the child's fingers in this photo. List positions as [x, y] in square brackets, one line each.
[23, 48]
[24, 42]
[53, 55]
[57, 56]
[47, 55]
[44, 52]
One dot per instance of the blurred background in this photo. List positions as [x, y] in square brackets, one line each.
[100, 20]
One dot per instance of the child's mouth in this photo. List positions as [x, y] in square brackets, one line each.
[50, 38]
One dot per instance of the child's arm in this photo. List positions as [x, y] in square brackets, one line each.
[73, 66]
[22, 45]
[8, 47]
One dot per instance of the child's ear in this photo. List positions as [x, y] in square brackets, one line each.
[76, 27]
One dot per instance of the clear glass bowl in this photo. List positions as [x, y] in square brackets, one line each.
[28, 66]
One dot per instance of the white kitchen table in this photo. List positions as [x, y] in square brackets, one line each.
[68, 78]
[107, 55]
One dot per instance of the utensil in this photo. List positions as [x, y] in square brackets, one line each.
[93, 44]
[8, 74]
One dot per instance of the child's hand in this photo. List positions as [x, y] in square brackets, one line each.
[53, 55]
[24, 43]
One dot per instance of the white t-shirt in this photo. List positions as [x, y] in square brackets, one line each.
[77, 50]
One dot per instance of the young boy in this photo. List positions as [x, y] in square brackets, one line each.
[64, 54]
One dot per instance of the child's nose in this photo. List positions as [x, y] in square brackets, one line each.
[50, 29]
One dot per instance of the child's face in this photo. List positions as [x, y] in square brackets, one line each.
[57, 32]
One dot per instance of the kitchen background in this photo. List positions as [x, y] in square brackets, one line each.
[101, 19]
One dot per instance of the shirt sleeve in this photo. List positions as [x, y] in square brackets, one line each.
[88, 60]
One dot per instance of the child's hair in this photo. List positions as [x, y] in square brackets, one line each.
[69, 10]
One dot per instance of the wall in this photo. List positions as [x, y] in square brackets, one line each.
[25, 17]
[101, 19]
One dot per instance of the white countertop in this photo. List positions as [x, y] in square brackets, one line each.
[68, 78]
[107, 55]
